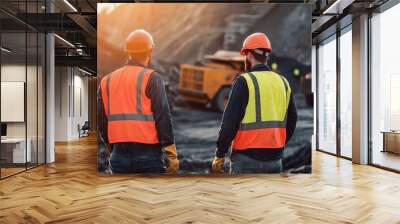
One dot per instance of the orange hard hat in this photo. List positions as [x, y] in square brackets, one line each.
[139, 41]
[256, 41]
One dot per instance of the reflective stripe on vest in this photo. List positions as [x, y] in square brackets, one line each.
[128, 109]
[264, 122]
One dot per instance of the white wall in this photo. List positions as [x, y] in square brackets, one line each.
[11, 73]
[71, 94]
[61, 103]
[80, 109]
[33, 127]
[16, 73]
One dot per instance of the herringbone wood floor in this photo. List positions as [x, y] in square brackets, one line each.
[70, 191]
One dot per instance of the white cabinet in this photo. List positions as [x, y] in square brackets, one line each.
[17, 147]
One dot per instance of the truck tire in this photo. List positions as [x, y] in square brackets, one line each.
[221, 99]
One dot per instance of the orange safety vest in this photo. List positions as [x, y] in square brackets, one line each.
[128, 109]
[264, 122]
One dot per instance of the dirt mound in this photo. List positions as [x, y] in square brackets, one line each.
[184, 33]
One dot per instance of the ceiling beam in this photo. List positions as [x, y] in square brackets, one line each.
[78, 61]
[337, 7]
[49, 22]
[84, 24]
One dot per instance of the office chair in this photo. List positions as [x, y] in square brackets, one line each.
[84, 130]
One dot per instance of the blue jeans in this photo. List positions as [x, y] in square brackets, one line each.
[244, 164]
[135, 161]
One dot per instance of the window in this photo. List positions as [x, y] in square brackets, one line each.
[346, 93]
[385, 89]
[327, 96]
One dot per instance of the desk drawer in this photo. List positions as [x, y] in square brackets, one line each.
[6, 154]
[392, 142]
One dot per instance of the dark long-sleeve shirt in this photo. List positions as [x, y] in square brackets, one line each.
[155, 90]
[233, 116]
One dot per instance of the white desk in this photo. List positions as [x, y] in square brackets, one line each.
[18, 149]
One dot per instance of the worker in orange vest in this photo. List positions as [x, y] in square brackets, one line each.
[135, 118]
[260, 116]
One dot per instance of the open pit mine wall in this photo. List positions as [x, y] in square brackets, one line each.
[184, 33]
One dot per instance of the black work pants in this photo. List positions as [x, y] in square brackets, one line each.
[241, 163]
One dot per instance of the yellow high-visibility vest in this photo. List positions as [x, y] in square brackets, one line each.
[264, 122]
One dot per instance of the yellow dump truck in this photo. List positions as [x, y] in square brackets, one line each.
[211, 82]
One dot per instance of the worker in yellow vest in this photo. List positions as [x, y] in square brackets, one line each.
[134, 113]
[260, 116]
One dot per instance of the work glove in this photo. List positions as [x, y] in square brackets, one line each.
[218, 165]
[172, 159]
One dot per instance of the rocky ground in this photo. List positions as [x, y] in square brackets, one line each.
[196, 131]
